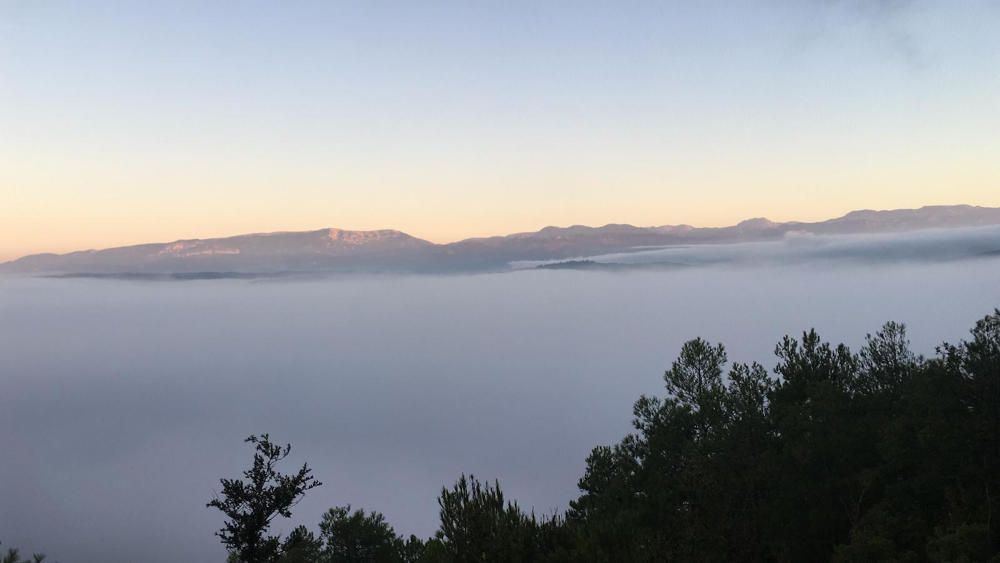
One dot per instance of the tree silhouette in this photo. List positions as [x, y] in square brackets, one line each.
[251, 503]
[356, 537]
[879, 455]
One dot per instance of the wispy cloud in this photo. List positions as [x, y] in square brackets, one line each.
[885, 20]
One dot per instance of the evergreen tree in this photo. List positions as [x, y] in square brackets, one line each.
[881, 455]
[251, 504]
[357, 537]
[478, 524]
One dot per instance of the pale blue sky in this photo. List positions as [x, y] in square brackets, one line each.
[126, 122]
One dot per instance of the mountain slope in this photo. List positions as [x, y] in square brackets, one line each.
[577, 241]
[335, 250]
[266, 252]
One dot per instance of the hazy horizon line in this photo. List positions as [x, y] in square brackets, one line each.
[15, 257]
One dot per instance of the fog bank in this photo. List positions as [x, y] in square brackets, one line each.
[123, 402]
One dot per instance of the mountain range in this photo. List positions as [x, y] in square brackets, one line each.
[343, 251]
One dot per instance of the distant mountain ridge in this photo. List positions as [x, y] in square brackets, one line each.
[337, 250]
[260, 252]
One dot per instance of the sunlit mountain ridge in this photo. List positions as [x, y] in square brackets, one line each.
[346, 251]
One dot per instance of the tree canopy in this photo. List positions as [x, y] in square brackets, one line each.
[250, 504]
[874, 455]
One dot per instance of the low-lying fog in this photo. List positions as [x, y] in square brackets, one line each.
[122, 403]
[931, 245]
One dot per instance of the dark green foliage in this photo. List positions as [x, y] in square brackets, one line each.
[478, 524]
[13, 555]
[697, 453]
[875, 456]
[356, 537]
[301, 546]
[880, 455]
[251, 503]
[414, 549]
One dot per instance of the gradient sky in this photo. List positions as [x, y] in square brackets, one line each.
[127, 122]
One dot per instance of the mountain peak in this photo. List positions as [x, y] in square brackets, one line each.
[756, 223]
[363, 237]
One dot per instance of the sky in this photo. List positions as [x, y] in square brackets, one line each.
[130, 122]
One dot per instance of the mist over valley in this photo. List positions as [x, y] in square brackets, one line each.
[125, 400]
